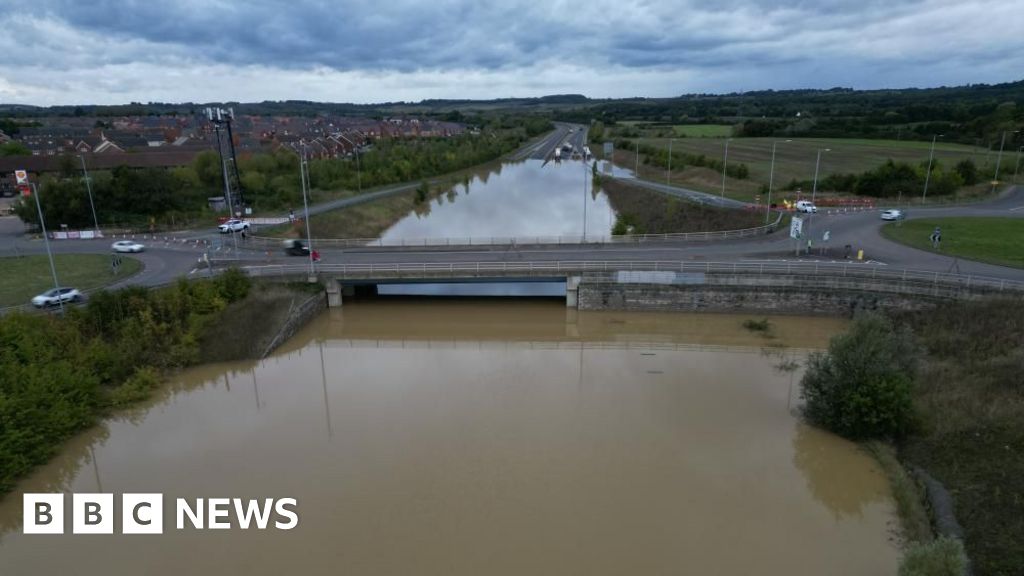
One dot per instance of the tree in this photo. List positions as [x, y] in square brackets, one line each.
[861, 387]
[968, 171]
[14, 149]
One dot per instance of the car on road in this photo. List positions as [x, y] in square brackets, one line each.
[127, 246]
[893, 214]
[805, 206]
[295, 248]
[233, 225]
[55, 296]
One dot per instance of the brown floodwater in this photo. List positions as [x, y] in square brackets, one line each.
[486, 437]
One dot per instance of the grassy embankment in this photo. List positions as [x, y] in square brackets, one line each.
[26, 276]
[646, 212]
[969, 400]
[993, 240]
[59, 375]
[796, 160]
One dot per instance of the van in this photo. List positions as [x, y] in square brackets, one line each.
[806, 206]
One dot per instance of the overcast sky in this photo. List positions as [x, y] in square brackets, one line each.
[117, 51]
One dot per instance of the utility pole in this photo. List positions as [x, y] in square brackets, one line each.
[999, 159]
[817, 164]
[636, 170]
[304, 177]
[928, 174]
[88, 189]
[771, 177]
[668, 173]
[1017, 165]
[725, 164]
[46, 240]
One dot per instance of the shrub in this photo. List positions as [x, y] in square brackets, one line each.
[941, 557]
[136, 388]
[861, 387]
[762, 325]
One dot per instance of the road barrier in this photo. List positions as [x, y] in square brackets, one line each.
[508, 241]
[825, 275]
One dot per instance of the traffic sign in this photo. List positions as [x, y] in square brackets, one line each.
[796, 227]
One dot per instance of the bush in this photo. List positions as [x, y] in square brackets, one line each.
[942, 557]
[137, 387]
[861, 387]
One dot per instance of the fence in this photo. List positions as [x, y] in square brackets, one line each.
[320, 243]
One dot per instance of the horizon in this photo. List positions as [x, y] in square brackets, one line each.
[63, 53]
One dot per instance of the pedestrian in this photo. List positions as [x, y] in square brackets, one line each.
[243, 234]
[315, 255]
[291, 215]
[936, 237]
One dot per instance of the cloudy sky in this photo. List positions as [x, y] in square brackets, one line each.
[117, 51]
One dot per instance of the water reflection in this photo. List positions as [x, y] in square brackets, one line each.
[472, 438]
[464, 289]
[845, 481]
[519, 199]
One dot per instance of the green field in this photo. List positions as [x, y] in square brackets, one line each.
[703, 130]
[27, 276]
[796, 160]
[992, 240]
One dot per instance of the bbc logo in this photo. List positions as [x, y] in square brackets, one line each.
[93, 514]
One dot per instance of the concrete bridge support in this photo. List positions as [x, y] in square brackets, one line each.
[572, 290]
[333, 294]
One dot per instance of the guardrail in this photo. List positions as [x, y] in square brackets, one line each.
[319, 243]
[885, 279]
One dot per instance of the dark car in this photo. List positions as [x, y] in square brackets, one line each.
[295, 248]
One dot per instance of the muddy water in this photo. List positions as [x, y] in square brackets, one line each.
[521, 199]
[468, 438]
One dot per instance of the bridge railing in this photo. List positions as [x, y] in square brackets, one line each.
[275, 243]
[801, 273]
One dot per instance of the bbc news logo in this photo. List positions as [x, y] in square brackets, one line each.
[144, 513]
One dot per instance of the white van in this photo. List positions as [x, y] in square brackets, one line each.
[806, 206]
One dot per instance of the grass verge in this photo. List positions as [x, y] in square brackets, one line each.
[647, 212]
[992, 240]
[969, 398]
[26, 276]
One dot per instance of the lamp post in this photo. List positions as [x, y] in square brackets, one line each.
[636, 170]
[771, 177]
[817, 164]
[725, 164]
[999, 158]
[928, 174]
[304, 178]
[46, 240]
[88, 189]
[668, 173]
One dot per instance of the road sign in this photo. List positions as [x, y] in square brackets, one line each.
[796, 227]
[22, 176]
[826, 236]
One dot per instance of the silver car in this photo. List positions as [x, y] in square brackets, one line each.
[55, 296]
[127, 246]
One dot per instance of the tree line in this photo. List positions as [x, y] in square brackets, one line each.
[655, 156]
[891, 179]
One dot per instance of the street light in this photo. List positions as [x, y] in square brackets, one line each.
[46, 240]
[817, 163]
[928, 174]
[304, 177]
[668, 173]
[88, 189]
[725, 164]
[636, 171]
[771, 176]
[1000, 158]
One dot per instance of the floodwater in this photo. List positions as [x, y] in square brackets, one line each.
[472, 437]
[519, 199]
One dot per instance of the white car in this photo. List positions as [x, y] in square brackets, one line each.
[233, 225]
[805, 206]
[55, 296]
[893, 214]
[127, 246]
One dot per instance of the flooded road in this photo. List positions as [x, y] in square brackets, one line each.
[487, 438]
[520, 199]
